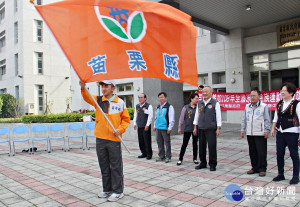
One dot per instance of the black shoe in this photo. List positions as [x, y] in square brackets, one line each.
[212, 168]
[149, 158]
[294, 181]
[201, 166]
[142, 156]
[279, 178]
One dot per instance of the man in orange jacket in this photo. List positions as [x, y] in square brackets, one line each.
[108, 145]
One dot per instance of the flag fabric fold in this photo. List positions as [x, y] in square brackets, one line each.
[115, 39]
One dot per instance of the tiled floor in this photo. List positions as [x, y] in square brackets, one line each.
[73, 178]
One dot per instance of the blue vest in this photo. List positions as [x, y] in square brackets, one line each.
[162, 117]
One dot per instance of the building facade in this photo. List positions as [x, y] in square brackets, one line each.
[32, 66]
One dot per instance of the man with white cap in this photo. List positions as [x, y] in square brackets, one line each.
[108, 145]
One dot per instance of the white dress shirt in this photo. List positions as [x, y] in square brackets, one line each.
[291, 129]
[218, 113]
[148, 111]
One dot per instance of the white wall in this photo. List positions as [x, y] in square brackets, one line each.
[56, 69]
[56, 66]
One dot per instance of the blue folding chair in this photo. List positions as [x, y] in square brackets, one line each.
[57, 132]
[75, 131]
[89, 132]
[20, 134]
[39, 133]
[5, 138]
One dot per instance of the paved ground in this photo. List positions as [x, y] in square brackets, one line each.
[73, 178]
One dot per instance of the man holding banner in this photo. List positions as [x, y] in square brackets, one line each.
[108, 144]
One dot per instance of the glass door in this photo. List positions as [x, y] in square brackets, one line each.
[278, 77]
[264, 80]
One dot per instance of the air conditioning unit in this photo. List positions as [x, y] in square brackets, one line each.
[31, 109]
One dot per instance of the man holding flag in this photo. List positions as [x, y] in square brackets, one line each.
[116, 39]
[108, 144]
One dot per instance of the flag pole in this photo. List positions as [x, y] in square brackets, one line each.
[107, 119]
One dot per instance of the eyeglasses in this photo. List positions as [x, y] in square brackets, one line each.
[141, 97]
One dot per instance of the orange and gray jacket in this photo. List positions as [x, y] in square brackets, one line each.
[115, 111]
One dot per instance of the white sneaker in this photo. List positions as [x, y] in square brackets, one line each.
[104, 194]
[114, 197]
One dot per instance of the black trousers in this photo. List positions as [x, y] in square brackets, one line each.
[208, 137]
[186, 139]
[111, 165]
[258, 153]
[291, 141]
[145, 141]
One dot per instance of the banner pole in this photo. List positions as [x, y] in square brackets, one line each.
[107, 119]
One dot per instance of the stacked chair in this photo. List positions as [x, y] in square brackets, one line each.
[23, 136]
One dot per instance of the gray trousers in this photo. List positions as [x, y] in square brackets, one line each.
[111, 165]
[162, 139]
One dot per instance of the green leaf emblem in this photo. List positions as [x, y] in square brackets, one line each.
[113, 27]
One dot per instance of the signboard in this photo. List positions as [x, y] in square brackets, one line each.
[288, 34]
[238, 101]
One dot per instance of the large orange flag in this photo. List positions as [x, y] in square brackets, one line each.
[114, 39]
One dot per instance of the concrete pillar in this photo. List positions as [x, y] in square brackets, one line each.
[174, 90]
[237, 70]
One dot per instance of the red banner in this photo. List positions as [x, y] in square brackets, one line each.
[238, 101]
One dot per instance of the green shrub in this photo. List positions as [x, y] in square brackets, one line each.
[131, 112]
[10, 120]
[58, 118]
[8, 107]
[55, 118]
[1, 104]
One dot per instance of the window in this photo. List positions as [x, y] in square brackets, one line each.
[40, 95]
[220, 90]
[200, 32]
[3, 90]
[39, 2]
[16, 32]
[16, 64]
[218, 78]
[125, 87]
[39, 30]
[128, 99]
[17, 92]
[259, 62]
[3, 67]
[39, 62]
[2, 39]
[203, 79]
[16, 5]
[2, 11]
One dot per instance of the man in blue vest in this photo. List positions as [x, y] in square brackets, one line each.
[142, 120]
[208, 119]
[256, 122]
[164, 122]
